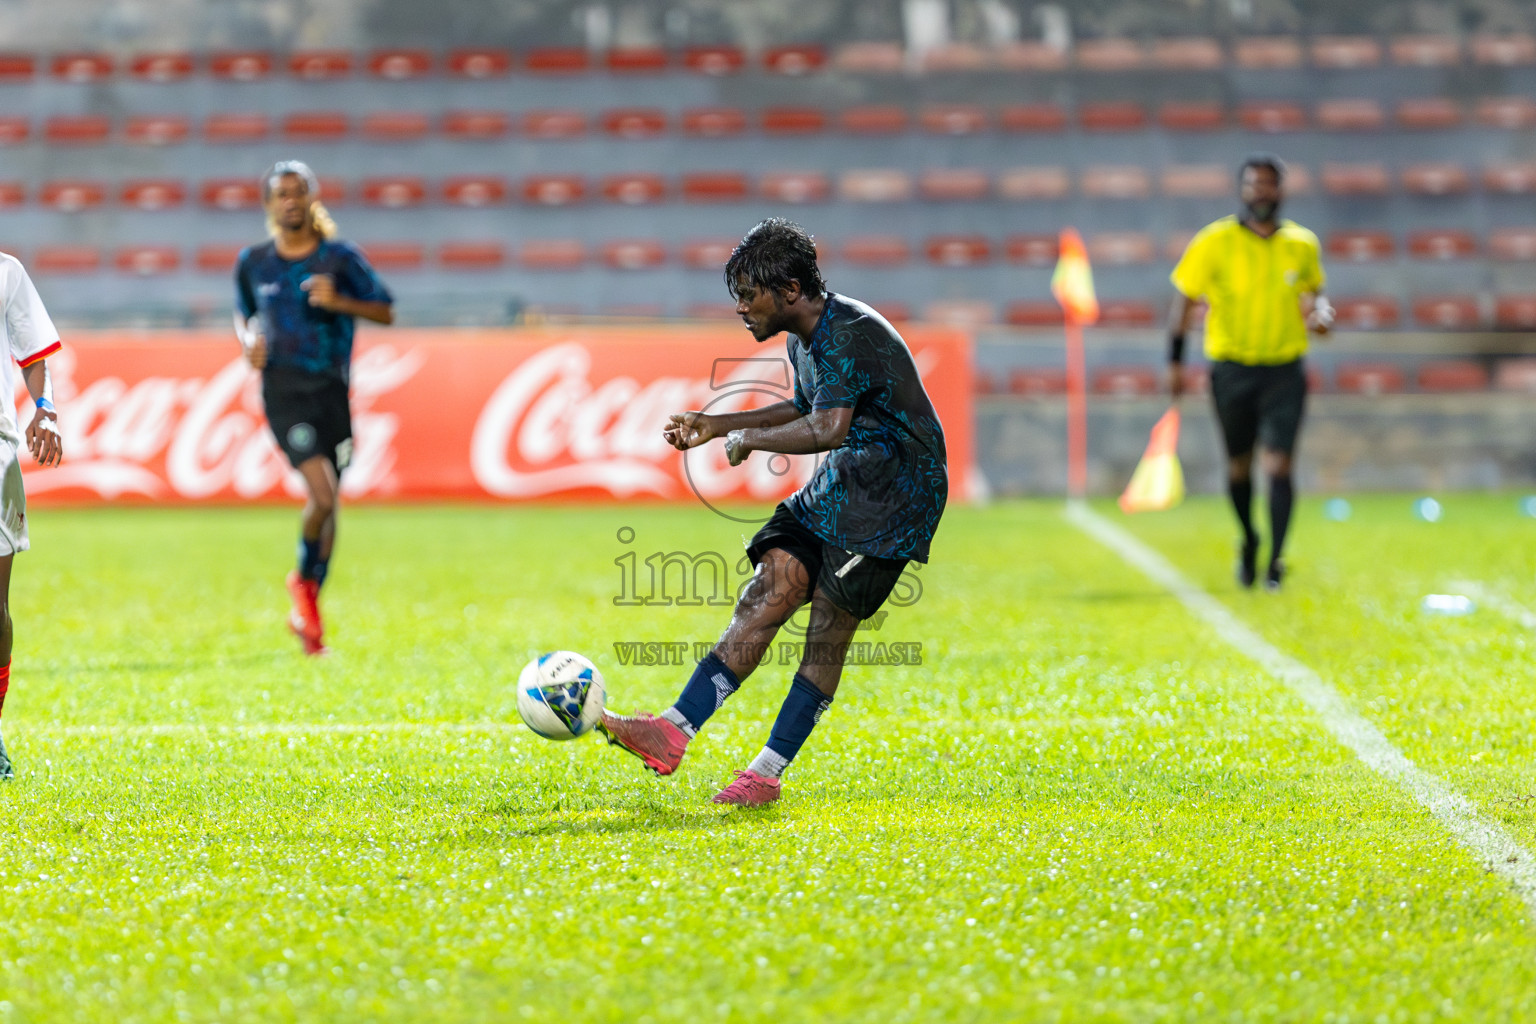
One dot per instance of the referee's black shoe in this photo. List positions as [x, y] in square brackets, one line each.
[1273, 577]
[1248, 562]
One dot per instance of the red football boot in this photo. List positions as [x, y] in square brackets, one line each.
[749, 790]
[304, 619]
[654, 740]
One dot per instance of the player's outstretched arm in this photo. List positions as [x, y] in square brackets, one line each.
[821, 431]
[43, 438]
[690, 429]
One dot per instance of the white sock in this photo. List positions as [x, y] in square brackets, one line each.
[768, 764]
[676, 718]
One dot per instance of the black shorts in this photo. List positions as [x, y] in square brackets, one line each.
[858, 584]
[310, 415]
[1259, 403]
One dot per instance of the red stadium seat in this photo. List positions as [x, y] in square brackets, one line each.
[1032, 117]
[1449, 375]
[12, 194]
[479, 64]
[1193, 53]
[877, 251]
[714, 60]
[714, 122]
[475, 124]
[1426, 51]
[949, 58]
[236, 127]
[77, 131]
[1034, 183]
[1197, 181]
[953, 119]
[553, 254]
[870, 58]
[1442, 245]
[1034, 313]
[1200, 116]
[880, 185]
[1121, 116]
[716, 187]
[795, 187]
[1430, 113]
[557, 60]
[874, 120]
[553, 124]
[473, 255]
[1128, 313]
[793, 121]
[637, 61]
[1110, 55]
[162, 67]
[707, 254]
[1116, 182]
[231, 194]
[634, 254]
[1298, 180]
[1032, 250]
[1355, 115]
[17, 67]
[960, 312]
[400, 65]
[1361, 246]
[14, 130]
[1121, 248]
[475, 190]
[1271, 116]
[1123, 381]
[241, 65]
[1514, 112]
[1510, 178]
[316, 126]
[72, 196]
[216, 259]
[553, 189]
[67, 259]
[1506, 50]
[1038, 381]
[1267, 52]
[155, 131]
[153, 195]
[1029, 56]
[1517, 312]
[1513, 244]
[1365, 312]
[635, 123]
[396, 125]
[954, 184]
[1368, 378]
[395, 255]
[1436, 179]
[958, 250]
[1175, 243]
[1356, 180]
[794, 60]
[1345, 53]
[148, 260]
[635, 189]
[320, 65]
[333, 190]
[82, 67]
[1451, 312]
[1518, 374]
[395, 192]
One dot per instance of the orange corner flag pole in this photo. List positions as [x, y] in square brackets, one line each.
[1072, 285]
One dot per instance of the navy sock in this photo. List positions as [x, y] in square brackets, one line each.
[1282, 495]
[801, 711]
[707, 689]
[311, 565]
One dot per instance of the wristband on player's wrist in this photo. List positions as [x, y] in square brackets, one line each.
[1176, 347]
[46, 405]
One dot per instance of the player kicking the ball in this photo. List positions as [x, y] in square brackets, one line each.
[32, 339]
[296, 298]
[841, 541]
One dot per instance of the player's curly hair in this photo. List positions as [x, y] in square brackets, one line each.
[774, 253]
[319, 217]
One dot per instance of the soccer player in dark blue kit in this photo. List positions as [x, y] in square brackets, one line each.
[296, 299]
[841, 541]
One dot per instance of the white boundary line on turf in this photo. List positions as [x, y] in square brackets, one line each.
[1495, 847]
[1498, 602]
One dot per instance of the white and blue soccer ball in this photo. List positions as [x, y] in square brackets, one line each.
[560, 695]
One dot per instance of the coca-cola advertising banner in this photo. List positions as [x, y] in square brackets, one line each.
[461, 414]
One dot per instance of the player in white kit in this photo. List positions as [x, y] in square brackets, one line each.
[30, 339]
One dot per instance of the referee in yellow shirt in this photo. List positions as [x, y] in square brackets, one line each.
[1262, 280]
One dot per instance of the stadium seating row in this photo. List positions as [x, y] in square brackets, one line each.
[1183, 54]
[949, 119]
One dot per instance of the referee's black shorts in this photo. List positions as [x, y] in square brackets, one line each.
[1259, 403]
[310, 415]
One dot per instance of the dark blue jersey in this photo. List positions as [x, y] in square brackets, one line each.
[882, 490]
[300, 336]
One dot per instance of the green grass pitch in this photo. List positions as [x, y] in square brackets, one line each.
[1081, 806]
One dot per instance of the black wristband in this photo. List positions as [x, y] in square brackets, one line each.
[1176, 347]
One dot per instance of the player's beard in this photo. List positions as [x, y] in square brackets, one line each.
[1261, 211]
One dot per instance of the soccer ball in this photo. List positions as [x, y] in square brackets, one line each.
[560, 695]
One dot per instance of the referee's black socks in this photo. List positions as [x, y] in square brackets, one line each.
[1242, 501]
[1282, 495]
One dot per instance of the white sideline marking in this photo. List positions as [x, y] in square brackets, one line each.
[1498, 602]
[1496, 848]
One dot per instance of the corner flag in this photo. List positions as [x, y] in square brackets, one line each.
[1072, 282]
[1158, 482]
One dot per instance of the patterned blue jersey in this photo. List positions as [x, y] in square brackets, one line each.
[300, 336]
[881, 492]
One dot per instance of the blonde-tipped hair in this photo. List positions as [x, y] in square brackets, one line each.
[319, 217]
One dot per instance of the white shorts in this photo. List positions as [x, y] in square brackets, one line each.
[13, 502]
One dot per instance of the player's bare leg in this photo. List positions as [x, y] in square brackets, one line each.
[1282, 496]
[778, 589]
[6, 770]
[317, 540]
[1240, 489]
